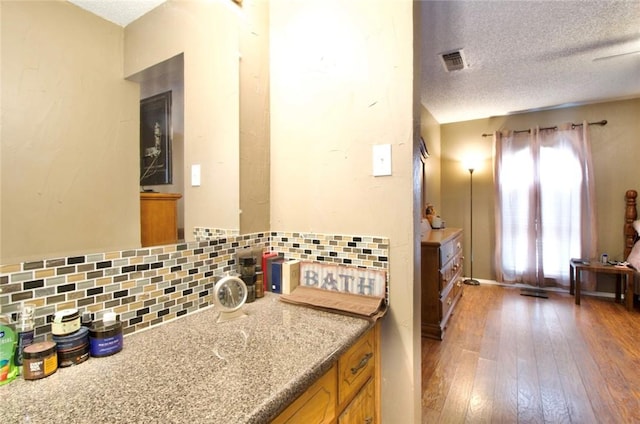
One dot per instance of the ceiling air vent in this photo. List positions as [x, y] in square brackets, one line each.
[453, 61]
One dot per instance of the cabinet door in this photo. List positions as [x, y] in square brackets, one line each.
[158, 218]
[362, 409]
[356, 366]
[317, 405]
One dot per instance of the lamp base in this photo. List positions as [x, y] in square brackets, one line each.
[471, 282]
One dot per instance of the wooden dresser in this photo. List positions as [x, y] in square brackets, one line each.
[441, 279]
[158, 218]
[349, 393]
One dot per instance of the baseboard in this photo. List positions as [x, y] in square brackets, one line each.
[550, 289]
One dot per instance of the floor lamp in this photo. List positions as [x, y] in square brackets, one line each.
[470, 281]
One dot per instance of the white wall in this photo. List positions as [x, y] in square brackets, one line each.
[341, 82]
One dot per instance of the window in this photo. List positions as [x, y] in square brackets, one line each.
[544, 217]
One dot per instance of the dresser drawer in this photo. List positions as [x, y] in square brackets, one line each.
[450, 249]
[450, 297]
[451, 270]
[356, 366]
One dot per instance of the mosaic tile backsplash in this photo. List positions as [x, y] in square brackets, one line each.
[360, 251]
[148, 286]
[201, 233]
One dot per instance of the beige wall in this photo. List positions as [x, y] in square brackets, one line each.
[70, 123]
[615, 150]
[69, 159]
[341, 82]
[208, 35]
[254, 117]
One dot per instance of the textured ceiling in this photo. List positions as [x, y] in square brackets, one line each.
[522, 55]
[120, 12]
[527, 55]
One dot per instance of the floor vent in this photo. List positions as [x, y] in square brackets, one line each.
[453, 61]
[534, 293]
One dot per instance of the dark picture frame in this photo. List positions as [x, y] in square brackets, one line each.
[155, 140]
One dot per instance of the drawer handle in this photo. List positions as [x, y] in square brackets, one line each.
[362, 364]
[368, 420]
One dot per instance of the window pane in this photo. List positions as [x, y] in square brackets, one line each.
[560, 181]
[517, 178]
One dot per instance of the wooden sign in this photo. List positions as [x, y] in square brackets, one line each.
[345, 279]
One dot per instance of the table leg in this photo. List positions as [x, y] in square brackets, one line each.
[577, 286]
[571, 279]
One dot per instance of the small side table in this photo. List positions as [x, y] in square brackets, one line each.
[576, 266]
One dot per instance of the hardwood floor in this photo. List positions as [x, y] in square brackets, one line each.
[507, 358]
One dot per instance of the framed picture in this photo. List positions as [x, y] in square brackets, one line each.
[155, 140]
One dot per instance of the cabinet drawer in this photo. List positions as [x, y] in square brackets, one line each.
[450, 249]
[355, 366]
[317, 405]
[362, 409]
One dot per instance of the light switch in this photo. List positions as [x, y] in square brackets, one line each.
[381, 160]
[195, 175]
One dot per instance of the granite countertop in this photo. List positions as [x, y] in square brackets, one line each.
[194, 370]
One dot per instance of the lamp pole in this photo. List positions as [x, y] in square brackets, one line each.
[470, 281]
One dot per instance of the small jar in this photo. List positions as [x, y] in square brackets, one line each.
[250, 282]
[73, 340]
[105, 338]
[65, 322]
[247, 266]
[73, 349]
[74, 356]
[259, 285]
[39, 360]
[86, 319]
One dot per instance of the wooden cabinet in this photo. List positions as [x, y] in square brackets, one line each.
[316, 405]
[441, 279]
[362, 409]
[348, 392]
[158, 218]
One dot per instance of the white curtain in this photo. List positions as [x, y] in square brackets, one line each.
[545, 204]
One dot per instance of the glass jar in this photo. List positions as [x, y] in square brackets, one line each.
[247, 266]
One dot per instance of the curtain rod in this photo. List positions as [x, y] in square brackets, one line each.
[603, 122]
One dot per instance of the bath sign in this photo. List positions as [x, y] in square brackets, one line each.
[362, 281]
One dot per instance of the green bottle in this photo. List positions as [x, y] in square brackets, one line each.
[8, 369]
